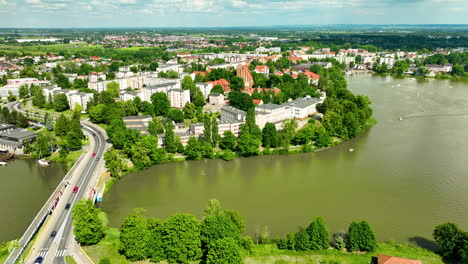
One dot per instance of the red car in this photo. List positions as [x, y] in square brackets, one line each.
[75, 189]
[94, 154]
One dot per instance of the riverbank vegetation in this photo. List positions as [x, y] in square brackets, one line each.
[219, 238]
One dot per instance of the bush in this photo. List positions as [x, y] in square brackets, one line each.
[228, 155]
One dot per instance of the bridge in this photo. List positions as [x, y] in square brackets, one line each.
[84, 174]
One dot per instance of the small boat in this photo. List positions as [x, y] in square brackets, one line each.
[351, 150]
[3, 163]
[43, 162]
[401, 118]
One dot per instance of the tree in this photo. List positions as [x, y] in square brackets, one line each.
[153, 66]
[176, 115]
[269, 136]
[62, 126]
[114, 162]
[218, 89]
[155, 127]
[141, 155]
[161, 103]
[228, 141]
[23, 91]
[96, 113]
[187, 83]
[113, 89]
[61, 102]
[190, 111]
[214, 132]
[450, 239]
[207, 129]
[322, 139]
[361, 237]
[213, 208]
[236, 218]
[169, 138]
[134, 237]
[302, 240]
[39, 99]
[88, 227]
[198, 98]
[193, 149]
[22, 121]
[216, 227]
[318, 234]
[155, 243]
[237, 83]
[74, 140]
[224, 251]
[248, 145]
[181, 238]
[458, 70]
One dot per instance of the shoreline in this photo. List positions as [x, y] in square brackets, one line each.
[299, 149]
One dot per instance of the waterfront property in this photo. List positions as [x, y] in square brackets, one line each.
[15, 138]
[384, 259]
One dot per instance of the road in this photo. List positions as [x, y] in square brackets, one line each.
[85, 176]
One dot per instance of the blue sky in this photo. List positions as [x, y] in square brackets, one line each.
[222, 13]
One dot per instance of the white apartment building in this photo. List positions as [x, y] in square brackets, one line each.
[205, 88]
[272, 113]
[79, 98]
[178, 97]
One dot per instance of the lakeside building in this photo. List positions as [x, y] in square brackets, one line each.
[14, 138]
[138, 123]
[439, 68]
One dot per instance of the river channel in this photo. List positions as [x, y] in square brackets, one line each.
[404, 177]
[24, 188]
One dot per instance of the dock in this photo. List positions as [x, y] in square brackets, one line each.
[6, 157]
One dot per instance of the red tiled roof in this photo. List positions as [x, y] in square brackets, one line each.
[384, 259]
[200, 72]
[257, 101]
[261, 68]
[312, 75]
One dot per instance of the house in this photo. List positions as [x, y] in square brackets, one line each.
[258, 101]
[439, 68]
[384, 259]
[216, 99]
[225, 84]
[262, 69]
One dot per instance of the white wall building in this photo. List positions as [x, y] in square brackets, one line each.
[178, 97]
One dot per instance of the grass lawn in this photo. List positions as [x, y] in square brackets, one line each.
[108, 248]
[270, 254]
[44, 49]
[69, 260]
[71, 158]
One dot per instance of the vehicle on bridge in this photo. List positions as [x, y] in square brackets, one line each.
[38, 260]
[75, 189]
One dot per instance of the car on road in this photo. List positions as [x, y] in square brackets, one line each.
[94, 154]
[53, 234]
[75, 189]
[97, 158]
[67, 206]
[38, 260]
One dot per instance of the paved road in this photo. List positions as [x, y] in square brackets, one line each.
[85, 176]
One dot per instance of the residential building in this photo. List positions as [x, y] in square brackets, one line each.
[216, 99]
[272, 113]
[178, 97]
[303, 107]
[80, 98]
[439, 68]
[225, 84]
[164, 87]
[205, 88]
[262, 69]
[231, 114]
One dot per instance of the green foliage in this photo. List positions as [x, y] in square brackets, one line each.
[361, 237]
[190, 111]
[88, 227]
[213, 208]
[113, 89]
[248, 145]
[193, 149]
[318, 234]
[155, 243]
[228, 155]
[169, 137]
[224, 251]
[181, 238]
[114, 162]
[74, 140]
[39, 99]
[228, 141]
[269, 135]
[218, 89]
[134, 236]
[216, 227]
[176, 115]
[240, 100]
[302, 240]
[161, 103]
[452, 240]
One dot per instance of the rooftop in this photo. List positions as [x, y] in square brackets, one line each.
[303, 102]
[269, 106]
[18, 134]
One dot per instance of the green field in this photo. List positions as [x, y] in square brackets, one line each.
[44, 49]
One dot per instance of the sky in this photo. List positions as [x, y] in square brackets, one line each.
[226, 13]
